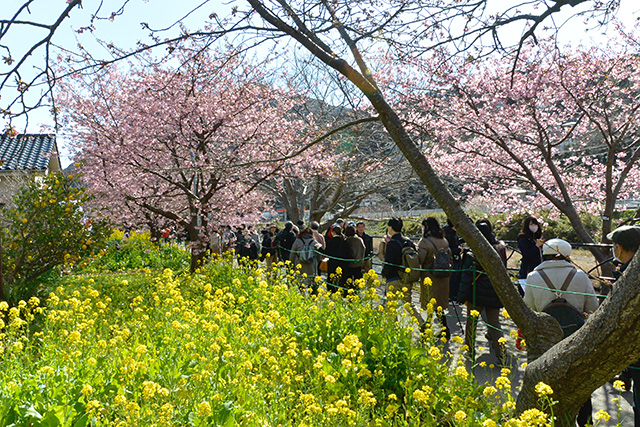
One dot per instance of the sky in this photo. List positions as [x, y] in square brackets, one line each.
[125, 30]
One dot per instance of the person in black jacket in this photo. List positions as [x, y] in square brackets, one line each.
[268, 235]
[284, 241]
[246, 248]
[529, 243]
[337, 250]
[393, 266]
[626, 242]
[476, 291]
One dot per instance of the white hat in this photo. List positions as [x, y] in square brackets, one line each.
[556, 247]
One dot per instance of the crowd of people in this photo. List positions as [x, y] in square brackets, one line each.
[447, 271]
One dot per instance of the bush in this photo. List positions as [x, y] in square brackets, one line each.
[46, 228]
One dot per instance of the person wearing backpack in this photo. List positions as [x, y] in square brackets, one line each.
[544, 292]
[556, 268]
[476, 291]
[399, 249]
[304, 252]
[434, 255]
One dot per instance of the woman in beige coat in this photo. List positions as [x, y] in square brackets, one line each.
[433, 241]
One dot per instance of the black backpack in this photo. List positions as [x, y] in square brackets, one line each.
[569, 317]
[441, 265]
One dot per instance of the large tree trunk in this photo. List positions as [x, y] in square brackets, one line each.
[291, 201]
[197, 246]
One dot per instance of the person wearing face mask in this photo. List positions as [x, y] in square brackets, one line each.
[626, 241]
[529, 243]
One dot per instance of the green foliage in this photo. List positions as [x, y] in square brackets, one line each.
[46, 228]
[138, 251]
[508, 226]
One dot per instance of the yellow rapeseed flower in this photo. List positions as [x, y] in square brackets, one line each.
[543, 389]
[534, 417]
[87, 390]
[204, 409]
[489, 391]
[460, 416]
[461, 371]
[618, 385]
[601, 415]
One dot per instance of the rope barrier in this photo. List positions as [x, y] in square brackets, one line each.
[428, 270]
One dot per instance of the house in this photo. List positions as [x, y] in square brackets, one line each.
[23, 157]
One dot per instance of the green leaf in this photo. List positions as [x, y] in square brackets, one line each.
[50, 420]
[82, 421]
[28, 410]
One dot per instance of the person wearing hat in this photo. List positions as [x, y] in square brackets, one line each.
[626, 241]
[555, 264]
[558, 270]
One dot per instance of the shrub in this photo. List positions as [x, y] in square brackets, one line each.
[47, 227]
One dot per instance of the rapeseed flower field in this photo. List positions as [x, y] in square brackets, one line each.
[232, 345]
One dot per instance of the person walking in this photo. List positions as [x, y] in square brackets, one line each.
[626, 241]
[476, 291]
[215, 241]
[451, 235]
[357, 252]
[284, 241]
[368, 245]
[431, 243]
[315, 228]
[338, 253]
[393, 266]
[268, 252]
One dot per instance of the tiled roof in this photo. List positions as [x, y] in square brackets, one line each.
[26, 152]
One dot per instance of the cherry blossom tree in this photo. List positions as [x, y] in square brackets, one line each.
[564, 128]
[189, 143]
